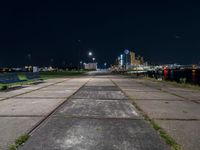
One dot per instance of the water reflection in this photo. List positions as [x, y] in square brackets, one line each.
[193, 75]
[188, 75]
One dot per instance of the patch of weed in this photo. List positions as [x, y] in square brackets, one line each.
[19, 141]
[169, 140]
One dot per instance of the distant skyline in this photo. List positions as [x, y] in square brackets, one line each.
[60, 33]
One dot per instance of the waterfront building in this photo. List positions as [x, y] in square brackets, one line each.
[90, 66]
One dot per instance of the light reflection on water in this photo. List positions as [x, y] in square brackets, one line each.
[189, 75]
[193, 75]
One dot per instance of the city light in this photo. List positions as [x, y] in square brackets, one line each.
[90, 53]
[121, 59]
[126, 51]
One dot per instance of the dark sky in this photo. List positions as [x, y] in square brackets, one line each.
[162, 31]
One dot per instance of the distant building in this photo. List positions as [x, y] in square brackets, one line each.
[135, 61]
[122, 59]
[129, 61]
[35, 69]
[90, 66]
[132, 58]
[117, 61]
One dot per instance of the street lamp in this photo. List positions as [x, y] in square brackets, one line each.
[90, 56]
[105, 64]
[81, 63]
[93, 59]
[29, 59]
[51, 62]
[126, 51]
[90, 53]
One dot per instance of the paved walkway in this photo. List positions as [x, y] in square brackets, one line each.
[99, 116]
[95, 112]
[21, 110]
[175, 109]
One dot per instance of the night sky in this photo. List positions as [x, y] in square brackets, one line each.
[63, 32]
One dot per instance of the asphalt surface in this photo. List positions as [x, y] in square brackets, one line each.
[98, 116]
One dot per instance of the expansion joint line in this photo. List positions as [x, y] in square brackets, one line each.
[54, 110]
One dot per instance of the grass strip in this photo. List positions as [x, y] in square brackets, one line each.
[168, 140]
[49, 75]
[19, 141]
[174, 83]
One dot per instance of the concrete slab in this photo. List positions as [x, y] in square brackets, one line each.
[43, 84]
[100, 84]
[158, 85]
[22, 90]
[139, 89]
[122, 80]
[98, 108]
[14, 93]
[190, 94]
[187, 93]
[89, 134]
[185, 133]
[177, 89]
[67, 81]
[94, 83]
[152, 95]
[74, 125]
[114, 95]
[13, 127]
[125, 81]
[74, 82]
[71, 84]
[100, 88]
[99, 80]
[17, 115]
[129, 84]
[56, 80]
[30, 107]
[61, 87]
[170, 109]
[78, 81]
[149, 82]
[49, 94]
[34, 87]
[96, 79]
